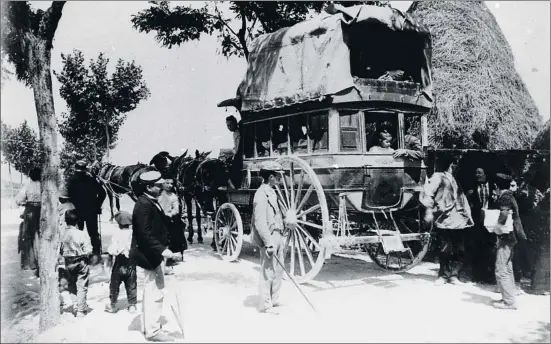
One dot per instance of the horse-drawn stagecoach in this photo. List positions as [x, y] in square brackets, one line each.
[315, 97]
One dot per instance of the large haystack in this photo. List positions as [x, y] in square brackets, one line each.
[542, 140]
[481, 101]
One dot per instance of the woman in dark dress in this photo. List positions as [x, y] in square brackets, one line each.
[29, 197]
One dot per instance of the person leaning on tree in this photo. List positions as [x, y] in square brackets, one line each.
[29, 197]
[148, 250]
[87, 196]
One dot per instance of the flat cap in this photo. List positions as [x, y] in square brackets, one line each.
[81, 165]
[151, 177]
[503, 176]
[271, 166]
[123, 218]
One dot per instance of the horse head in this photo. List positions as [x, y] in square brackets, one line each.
[162, 161]
[210, 175]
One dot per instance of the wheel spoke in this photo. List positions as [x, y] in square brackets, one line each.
[285, 188]
[223, 250]
[306, 212]
[307, 249]
[309, 236]
[306, 223]
[293, 253]
[300, 258]
[305, 198]
[281, 198]
[292, 202]
[299, 189]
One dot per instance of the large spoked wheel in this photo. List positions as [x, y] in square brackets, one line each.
[407, 221]
[228, 232]
[301, 197]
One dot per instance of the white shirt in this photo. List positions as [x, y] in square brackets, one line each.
[481, 193]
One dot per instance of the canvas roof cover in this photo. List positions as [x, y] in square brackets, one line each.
[311, 60]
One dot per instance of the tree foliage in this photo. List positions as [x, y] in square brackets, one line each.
[97, 103]
[21, 147]
[236, 23]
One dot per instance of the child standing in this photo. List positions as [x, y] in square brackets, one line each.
[76, 249]
[123, 270]
[168, 200]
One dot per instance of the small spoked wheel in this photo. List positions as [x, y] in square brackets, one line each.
[301, 198]
[228, 232]
[407, 221]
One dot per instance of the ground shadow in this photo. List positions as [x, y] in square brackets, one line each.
[541, 334]
[251, 301]
[477, 298]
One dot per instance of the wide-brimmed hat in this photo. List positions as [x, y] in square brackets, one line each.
[150, 178]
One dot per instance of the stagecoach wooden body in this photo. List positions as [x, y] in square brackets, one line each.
[314, 97]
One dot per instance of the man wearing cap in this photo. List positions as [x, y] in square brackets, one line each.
[87, 196]
[506, 242]
[63, 205]
[268, 233]
[149, 248]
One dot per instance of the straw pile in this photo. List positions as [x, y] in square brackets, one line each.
[542, 140]
[481, 101]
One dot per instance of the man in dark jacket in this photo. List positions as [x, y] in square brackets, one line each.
[480, 243]
[87, 195]
[506, 242]
[148, 249]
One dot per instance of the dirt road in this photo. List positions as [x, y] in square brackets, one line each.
[356, 302]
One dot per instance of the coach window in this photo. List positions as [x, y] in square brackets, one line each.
[318, 128]
[381, 132]
[298, 131]
[263, 138]
[349, 122]
[280, 139]
[412, 128]
[247, 140]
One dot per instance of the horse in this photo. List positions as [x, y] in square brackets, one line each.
[120, 180]
[189, 185]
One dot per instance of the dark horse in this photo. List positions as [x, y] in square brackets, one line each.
[120, 180]
[194, 183]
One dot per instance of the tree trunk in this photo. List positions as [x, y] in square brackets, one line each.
[41, 82]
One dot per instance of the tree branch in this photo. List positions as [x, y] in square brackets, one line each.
[243, 32]
[50, 20]
[219, 17]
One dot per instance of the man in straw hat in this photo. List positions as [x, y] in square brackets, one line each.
[268, 233]
[148, 250]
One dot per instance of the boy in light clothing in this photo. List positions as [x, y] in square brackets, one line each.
[123, 269]
[76, 250]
